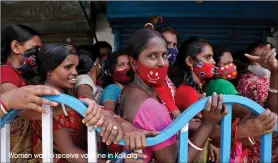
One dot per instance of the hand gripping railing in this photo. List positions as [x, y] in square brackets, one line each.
[180, 124]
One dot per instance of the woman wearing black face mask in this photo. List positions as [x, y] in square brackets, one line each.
[17, 61]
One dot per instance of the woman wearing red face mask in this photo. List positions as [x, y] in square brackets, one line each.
[139, 103]
[196, 65]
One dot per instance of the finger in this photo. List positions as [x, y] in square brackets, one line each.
[264, 115]
[270, 119]
[107, 133]
[132, 142]
[119, 136]
[144, 142]
[212, 157]
[268, 54]
[208, 105]
[161, 19]
[99, 122]
[150, 133]
[93, 119]
[37, 108]
[214, 102]
[90, 116]
[112, 136]
[251, 57]
[40, 101]
[127, 144]
[271, 124]
[103, 128]
[138, 142]
[272, 57]
[220, 104]
[99, 116]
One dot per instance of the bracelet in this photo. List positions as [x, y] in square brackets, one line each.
[4, 108]
[150, 25]
[252, 140]
[194, 146]
[272, 90]
[209, 139]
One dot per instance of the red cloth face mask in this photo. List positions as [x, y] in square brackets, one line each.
[122, 76]
[151, 76]
[204, 70]
[227, 72]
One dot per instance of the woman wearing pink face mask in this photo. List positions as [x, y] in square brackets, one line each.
[140, 105]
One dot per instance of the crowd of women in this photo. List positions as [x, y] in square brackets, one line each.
[135, 93]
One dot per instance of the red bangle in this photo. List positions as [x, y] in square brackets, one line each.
[4, 107]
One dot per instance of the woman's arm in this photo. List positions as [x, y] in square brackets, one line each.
[64, 142]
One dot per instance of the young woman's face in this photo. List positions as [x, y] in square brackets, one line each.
[19, 49]
[64, 76]
[155, 54]
[104, 53]
[172, 41]
[122, 63]
[206, 55]
[225, 59]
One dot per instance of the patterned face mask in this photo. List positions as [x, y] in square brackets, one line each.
[172, 55]
[227, 72]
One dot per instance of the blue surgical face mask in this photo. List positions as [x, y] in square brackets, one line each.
[172, 55]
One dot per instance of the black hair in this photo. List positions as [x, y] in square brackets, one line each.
[219, 51]
[110, 67]
[167, 28]
[191, 47]
[18, 32]
[86, 49]
[139, 40]
[85, 64]
[163, 29]
[97, 46]
[51, 56]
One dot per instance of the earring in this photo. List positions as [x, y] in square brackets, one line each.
[48, 74]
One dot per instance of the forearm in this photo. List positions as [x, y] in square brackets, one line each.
[199, 139]
[272, 97]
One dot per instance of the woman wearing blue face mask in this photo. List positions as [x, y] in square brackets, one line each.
[18, 51]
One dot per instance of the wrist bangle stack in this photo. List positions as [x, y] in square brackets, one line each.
[194, 146]
[4, 108]
[272, 90]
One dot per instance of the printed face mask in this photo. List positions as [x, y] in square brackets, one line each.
[227, 72]
[151, 76]
[172, 55]
[204, 70]
[123, 76]
[29, 66]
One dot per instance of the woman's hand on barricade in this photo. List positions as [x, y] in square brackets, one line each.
[110, 131]
[214, 154]
[262, 124]
[94, 113]
[135, 138]
[215, 110]
[28, 97]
